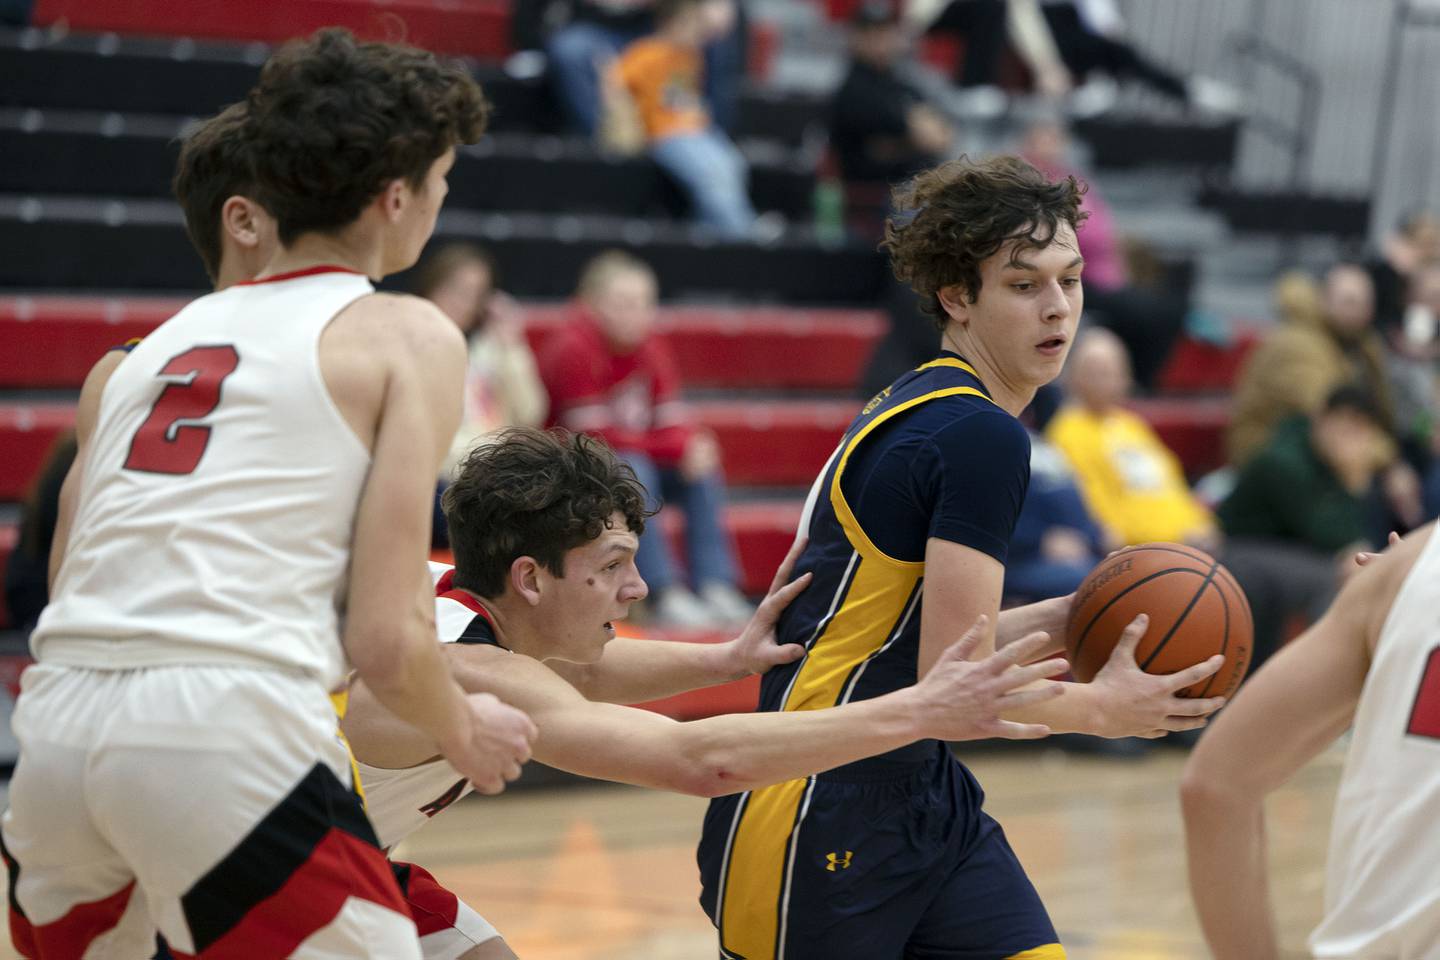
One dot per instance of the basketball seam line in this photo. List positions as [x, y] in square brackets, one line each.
[1214, 565]
[1225, 640]
[1085, 634]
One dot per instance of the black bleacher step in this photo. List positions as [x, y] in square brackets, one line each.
[1134, 141]
[148, 77]
[59, 152]
[49, 243]
[1284, 211]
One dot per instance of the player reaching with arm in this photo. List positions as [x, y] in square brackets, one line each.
[544, 529]
[1371, 662]
[265, 432]
[908, 527]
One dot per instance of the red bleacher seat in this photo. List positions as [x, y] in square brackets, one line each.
[477, 28]
[1197, 366]
[9, 534]
[27, 432]
[52, 341]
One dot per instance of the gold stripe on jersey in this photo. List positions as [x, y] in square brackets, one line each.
[874, 601]
[341, 702]
[858, 538]
[749, 914]
[1051, 951]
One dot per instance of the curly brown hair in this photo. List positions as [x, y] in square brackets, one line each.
[214, 165]
[333, 120]
[950, 219]
[534, 493]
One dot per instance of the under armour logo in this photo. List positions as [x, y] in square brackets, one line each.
[834, 860]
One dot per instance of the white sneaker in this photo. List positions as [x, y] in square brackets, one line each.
[1093, 98]
[726, 604]
[679, 607]
[1216, 97]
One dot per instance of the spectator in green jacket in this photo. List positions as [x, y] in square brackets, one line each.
[1299, 510]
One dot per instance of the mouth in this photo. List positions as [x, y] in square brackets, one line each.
[1053, 346]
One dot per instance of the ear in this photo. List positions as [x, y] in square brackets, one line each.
[393, 199]
[237, 216]
[525, 579]
[955, 303]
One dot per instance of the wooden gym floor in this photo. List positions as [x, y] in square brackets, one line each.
[607, 872]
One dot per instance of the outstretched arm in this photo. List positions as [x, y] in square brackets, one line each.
[633, 671]
[958, 700]
[1287, 713]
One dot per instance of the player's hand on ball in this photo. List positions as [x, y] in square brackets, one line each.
[1140, 704]
[496, 746]
[963, 699]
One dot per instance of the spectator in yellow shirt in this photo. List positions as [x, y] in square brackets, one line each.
[1132, 482]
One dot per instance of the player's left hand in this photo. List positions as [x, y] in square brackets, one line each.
[755, 650]
[1139, 704]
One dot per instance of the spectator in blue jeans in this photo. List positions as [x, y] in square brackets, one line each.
[593, 32]
[653, 100]
[609, 375]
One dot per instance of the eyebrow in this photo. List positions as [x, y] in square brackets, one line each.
[1027, 265]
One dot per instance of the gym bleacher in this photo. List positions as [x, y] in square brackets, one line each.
[771, 336]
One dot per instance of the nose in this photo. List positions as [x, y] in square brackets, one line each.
[635, 589]
[1056, 306]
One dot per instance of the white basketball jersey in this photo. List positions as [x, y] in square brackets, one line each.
[220, 488]
[399, 802]
[1382, 888]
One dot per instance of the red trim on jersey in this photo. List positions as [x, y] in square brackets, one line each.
[432, 907]
[445, 588]
[340, 867]
[72, 934]
[294, 274]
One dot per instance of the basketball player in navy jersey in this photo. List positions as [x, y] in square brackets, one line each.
[1371, 664]
[168, 644]
[908, 527]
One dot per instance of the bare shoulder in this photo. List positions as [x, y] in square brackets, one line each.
[403, 322]
[88, 409]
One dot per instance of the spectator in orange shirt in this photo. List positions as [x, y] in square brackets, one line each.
[653, 95]
[608, 375]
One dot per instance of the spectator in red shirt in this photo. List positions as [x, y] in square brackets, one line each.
[609, 376]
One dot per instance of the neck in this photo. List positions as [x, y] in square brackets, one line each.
[512, 625]
[347, 249]
[1010, 396]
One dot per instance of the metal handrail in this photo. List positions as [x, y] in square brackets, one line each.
[1300, 137]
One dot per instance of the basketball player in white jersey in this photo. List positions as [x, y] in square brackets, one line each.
[178, 755]
[1371, 663]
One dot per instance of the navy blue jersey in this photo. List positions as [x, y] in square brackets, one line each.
[931, 457]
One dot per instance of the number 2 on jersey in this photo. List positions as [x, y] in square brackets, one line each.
[174, 437]
[1425, 714]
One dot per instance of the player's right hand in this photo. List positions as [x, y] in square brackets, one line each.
[963, 699]
[495, 745]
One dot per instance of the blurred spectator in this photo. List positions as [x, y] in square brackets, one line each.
[1414, 243]
[26, 576]
[1299, 509]
[1069, 43]
[1410, 362]
[581, 37]
[502, 384]
[881, 128]
[1056, 543]
[985, 26]
[1323, 340]
[1148, 321]
[609, 375]
[1132, 482]
[654, 90]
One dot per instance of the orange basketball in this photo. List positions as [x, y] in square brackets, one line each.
[1196, 610]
